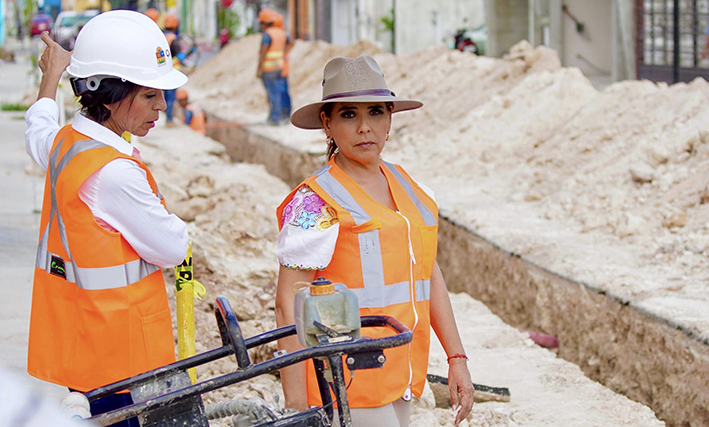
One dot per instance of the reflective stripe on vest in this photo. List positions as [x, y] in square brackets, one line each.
[86, 278]
[396, 293]
[375, 293]
[425, 213]
[274, 60]
[276, 50]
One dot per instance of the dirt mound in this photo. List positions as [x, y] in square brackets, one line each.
[233, 228]
[228, 82]
[609, 188]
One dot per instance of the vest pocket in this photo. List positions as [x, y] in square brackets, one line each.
[429, 241]
[158, 340]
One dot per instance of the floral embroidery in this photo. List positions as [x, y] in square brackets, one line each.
[308, 210]
[328, 218]
[287, 213]
[306, 220]
[302, 267]
[309, 232]
[313, 203]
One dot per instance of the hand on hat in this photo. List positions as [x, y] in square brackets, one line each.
[54, 58]
[53, 62]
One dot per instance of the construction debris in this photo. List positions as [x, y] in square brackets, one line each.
[233, 244]
[604, 187]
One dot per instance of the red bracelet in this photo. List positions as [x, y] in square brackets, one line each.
[457, 356]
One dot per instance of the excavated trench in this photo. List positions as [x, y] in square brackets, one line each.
[643, 357]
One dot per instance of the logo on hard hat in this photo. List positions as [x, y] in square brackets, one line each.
[160, 54]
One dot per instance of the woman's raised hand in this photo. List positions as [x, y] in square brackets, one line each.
[54, 58]
[53, 62]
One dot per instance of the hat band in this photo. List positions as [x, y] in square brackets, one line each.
[375, 92]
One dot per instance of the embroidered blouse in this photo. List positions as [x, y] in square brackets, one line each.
[309, 231]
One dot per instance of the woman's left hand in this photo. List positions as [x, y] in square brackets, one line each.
[461, 388]
[55, 58]
[53, 62]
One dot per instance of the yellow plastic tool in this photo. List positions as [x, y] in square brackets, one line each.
[187, 289]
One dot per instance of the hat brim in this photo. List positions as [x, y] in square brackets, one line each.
[172, 80]
[308, 116]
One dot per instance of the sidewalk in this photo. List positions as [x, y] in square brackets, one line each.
[15, 77]
[21, 196]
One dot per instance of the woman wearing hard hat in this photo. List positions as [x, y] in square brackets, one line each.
[99, 307]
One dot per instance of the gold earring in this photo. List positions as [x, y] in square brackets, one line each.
[330, 140]
[387, 140]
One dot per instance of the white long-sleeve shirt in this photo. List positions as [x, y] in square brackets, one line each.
[118, 194]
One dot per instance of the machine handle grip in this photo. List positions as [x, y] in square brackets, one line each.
[230, 331]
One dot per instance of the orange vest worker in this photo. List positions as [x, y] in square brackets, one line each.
[197, 120]
[280, 24]
[99, 312]
[386, 258]
[275, 52]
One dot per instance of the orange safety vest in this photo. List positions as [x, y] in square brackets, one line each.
[386, 258]
[276, 50]
[285, 72]
[99, 312]
[170, 37]
[198, 120]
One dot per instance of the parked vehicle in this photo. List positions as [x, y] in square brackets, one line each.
[467, 40]
[68, 25]
[40, 22]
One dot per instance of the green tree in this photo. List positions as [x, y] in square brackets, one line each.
[389, 23]
[227, 18]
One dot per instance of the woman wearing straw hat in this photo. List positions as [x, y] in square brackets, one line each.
[366, 223]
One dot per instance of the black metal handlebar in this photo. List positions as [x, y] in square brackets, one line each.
[231, 332]
[234, 343]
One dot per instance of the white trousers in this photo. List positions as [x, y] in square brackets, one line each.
[394, 414]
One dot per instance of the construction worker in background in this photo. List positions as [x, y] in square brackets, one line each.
[274, 45]
[100, 310]
[153, 14]
[285, 93]
[172, 25]
[193, 114]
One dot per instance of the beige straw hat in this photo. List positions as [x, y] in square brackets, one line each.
[350, 80]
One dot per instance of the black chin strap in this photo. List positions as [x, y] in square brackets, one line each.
[78, 85]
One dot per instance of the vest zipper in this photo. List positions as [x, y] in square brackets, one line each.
[412, 293]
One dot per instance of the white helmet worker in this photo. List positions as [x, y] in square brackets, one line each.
[123, 44]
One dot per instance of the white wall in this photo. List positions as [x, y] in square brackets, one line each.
[419, 23]
[369, 25]
[507, 24]
[623, 40]
[425, 23]
[204, 19]
[344, 22]
[595, 43]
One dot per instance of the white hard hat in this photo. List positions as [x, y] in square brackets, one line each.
[127, 45]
